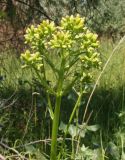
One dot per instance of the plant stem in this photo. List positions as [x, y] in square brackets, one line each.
[53, 155]
[55, 128]
[73, 112]
[73, 155]
[70, 120]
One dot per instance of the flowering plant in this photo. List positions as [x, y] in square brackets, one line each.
[75, 49]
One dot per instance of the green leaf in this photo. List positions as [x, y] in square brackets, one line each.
[93, 128]
[62, 126]
[83, 148]
[30, 149]
[113, 150]
[51, 113]
[73, 130]
[82, 133]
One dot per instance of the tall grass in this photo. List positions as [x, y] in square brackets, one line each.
[108, 101]
[23, 114]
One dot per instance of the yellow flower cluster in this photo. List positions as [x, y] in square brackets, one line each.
[73, 23]
[71, 39]
[32, 60]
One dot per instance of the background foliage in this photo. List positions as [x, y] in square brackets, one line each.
[106, 17]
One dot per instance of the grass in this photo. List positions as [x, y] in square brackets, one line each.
[25, 119]
[22, 119]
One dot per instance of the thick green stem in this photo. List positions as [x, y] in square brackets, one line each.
[55, 129]
[53, 155]
[70, 120]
